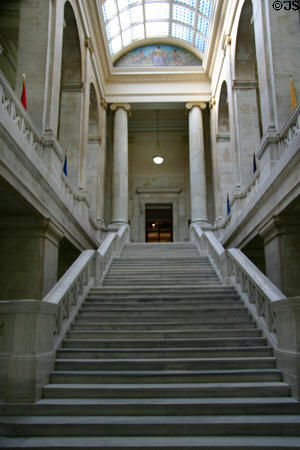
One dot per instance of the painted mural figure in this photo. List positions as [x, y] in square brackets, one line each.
[158, 58]
[140, 57]
[175, 58]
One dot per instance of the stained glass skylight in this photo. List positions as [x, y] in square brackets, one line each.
[127, 21]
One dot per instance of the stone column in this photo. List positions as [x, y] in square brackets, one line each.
[28, 257]
[197, 163]
[120, 164]
[102, 165]
[282, 253]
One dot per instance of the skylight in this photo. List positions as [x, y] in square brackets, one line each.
[127, 21]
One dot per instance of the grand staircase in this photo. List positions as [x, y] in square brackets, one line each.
[162, 356]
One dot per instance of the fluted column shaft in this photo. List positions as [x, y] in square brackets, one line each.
[120, 164]
[197, 163]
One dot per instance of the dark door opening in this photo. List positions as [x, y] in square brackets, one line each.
[159, 223]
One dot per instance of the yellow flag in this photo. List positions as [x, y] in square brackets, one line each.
[293, 93]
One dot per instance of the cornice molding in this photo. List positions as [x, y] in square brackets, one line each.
[158, 78]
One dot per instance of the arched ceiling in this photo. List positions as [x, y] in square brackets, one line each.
[130, 21]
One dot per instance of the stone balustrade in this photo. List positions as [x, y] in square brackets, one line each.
[270, 153]
[275, 314]
[39, 157]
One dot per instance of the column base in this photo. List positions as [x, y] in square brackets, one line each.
[203, 223]
[118, 223]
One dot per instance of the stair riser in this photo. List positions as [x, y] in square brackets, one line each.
[170, 378]
[166, 429]
[166, 392]
[239, 353]
[141, 302]
[168, 309]
[161, 318]
[156, 409]
[82, 325]
[170, 343]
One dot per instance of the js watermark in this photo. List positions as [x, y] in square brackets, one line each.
[287, 5]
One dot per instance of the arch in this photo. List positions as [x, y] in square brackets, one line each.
[223, 116]
[71, 93]
[245, 56]
[246, 94]
[9, 38]
[71, 53]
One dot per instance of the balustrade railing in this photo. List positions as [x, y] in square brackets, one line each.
[88, 270]
[285, 140]
[14, 110]
[290, 131]
[16, 120]
[255, 289]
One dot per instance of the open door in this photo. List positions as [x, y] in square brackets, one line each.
[159, 222]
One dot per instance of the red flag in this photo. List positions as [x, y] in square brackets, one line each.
[23, 96]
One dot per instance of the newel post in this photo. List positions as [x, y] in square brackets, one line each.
[287, 324]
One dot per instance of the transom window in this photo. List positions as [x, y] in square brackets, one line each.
[127, 21]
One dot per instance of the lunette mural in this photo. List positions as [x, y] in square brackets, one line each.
[158, 55]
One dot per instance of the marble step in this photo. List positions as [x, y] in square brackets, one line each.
[168, 308]
[187, 291]
[242, 362]
[159, 283]
[165, 292]
[164, 353]
[157, 443]
[164, 376]
[81, 324]
[163, 301]
[242, 425]
[173, 337]
[154, 406]
[140, 317]
[154, 341]
[218, 390]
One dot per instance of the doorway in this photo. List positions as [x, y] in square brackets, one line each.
[159, 222]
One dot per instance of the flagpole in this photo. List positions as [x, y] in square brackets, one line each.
[23, 96]
[293, 93]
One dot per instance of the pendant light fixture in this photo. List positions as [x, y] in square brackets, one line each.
[158, 158]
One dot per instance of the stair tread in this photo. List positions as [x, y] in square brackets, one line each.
[214, 419]
[158, 443]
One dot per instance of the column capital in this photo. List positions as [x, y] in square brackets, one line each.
[115, 106]
[103, 103]
[190, 105]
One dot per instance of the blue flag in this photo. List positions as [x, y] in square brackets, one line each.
[228, 206]
[65, 170]
[254, 163]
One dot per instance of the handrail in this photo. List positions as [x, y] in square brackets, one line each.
[256, 290]
[15, 110]
[284, 140]
[112, 246]
[16, 120]
[70, 291]
[88, 270]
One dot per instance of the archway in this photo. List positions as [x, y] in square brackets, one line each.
[246, 94]
[70, 94]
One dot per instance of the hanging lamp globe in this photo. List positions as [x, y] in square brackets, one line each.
[158, 159]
